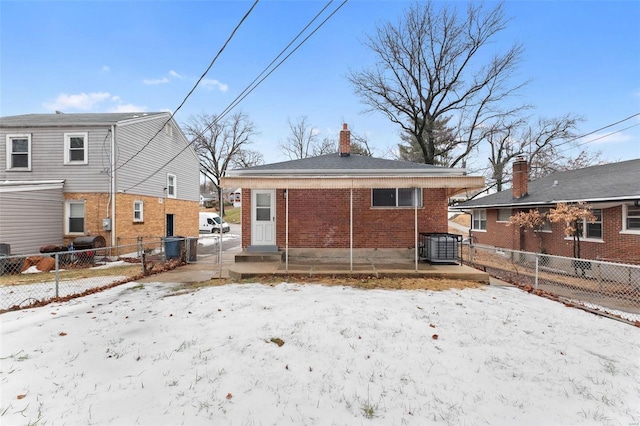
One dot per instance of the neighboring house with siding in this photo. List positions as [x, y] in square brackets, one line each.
[119, 175]
[612, 191]
[344, 204]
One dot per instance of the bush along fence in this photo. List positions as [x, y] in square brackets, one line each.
[605, 287]
[38, 279]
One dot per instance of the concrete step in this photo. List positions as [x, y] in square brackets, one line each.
[257, 256]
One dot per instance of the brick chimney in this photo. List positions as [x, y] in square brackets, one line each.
[520, 177]
[345, 141]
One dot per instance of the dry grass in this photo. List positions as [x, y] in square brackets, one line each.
[364, 282]
[463, 219]
[70, 274]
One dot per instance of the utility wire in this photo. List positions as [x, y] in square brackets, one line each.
[247, 91]
[601, 128]
[195, 86]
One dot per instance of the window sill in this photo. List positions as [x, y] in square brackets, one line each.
[76, 164]
[586, 240]
[396, 207]
[19, 169]
[544, 231]
[138, 222]
[478, 230]
[630, 232]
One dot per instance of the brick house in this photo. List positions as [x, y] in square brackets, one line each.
[344, 203]
[118, 175]
[612, 190]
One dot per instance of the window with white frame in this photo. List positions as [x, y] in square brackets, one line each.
[631, 218]
[74, 223]
[504, 215]
[138, 211]
[171, 186]
[76, 149]
[479, 220]
[396, 197]
[593, 230]
[19, 152]
[546, 224]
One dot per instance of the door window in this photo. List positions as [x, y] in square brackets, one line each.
[263, 207]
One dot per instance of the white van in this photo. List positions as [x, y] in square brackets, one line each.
[211, 222]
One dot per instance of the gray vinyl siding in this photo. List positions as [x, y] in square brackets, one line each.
[47, 158]
[146, 174]
[31, 219]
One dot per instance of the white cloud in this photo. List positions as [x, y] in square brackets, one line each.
[127, 108]
[92, 102]
[213, 84]
[82, 101]
[602, 138]
[172, 73]
[153, 81]
[105, 68]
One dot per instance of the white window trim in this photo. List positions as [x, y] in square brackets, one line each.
[67, 215]
[175, 185]
[417, 191]
[624, 230]
[9, 147]
[473, 221]
[67, 148]
[141, 204]
[584, 231]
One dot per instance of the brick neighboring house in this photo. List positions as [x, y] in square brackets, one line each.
[612, 190]
[69, 175]
[342, 202]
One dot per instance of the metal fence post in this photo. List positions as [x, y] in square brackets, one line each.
[56, 257]
[537, 269]
[141, 254]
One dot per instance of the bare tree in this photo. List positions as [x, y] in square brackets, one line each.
[360, 145]
[220, 144]
[428, 69]
[248, 158]
[304, 140]
[539, 143]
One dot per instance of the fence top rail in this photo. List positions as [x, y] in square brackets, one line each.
[597, 262]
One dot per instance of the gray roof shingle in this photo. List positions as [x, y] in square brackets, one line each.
[614, 181]
[84, 119]
[336, 164]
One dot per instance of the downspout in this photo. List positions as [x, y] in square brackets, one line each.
[113, 185]
[415, 225]
[286, 231]
[351, 228]
[221, 197]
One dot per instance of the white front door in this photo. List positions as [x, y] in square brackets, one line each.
[263, 217]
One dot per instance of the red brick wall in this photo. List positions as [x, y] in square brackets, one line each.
[616, 246]
[319, 218]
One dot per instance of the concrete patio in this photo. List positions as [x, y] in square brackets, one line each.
[371, 267]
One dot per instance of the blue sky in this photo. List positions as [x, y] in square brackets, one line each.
[582, 57]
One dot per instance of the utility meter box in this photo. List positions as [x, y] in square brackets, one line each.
[106, 224]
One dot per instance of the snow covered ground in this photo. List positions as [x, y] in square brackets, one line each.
[154, 354]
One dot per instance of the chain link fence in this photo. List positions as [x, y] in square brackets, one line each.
[38, 279]
[613, 288]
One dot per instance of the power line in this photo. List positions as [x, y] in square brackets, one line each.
[252, 86]
[601, 128]
[195, 85]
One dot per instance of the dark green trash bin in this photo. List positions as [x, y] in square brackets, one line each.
[173, 247]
